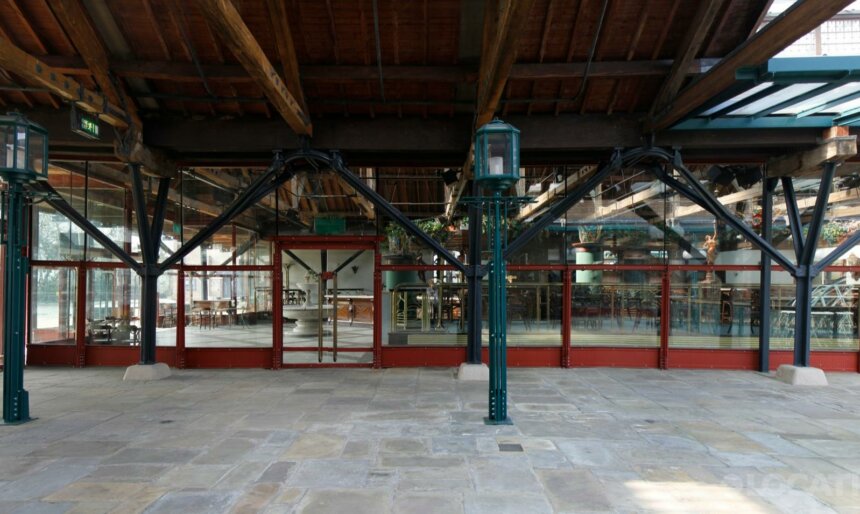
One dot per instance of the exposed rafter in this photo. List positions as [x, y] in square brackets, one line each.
[691, 45]
[286, 50]
[795, 22]
[36, 72]
[175, 71]
[228, 24]
[78, 26]
[504, 22]
[507, 23]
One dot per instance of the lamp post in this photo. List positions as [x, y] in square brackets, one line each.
[497, 165]
[23, 159]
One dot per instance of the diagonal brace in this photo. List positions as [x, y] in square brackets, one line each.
[381, 204]
[56, 201]
[794, 222]
[560, 207]
[718, 210]
[811, 242]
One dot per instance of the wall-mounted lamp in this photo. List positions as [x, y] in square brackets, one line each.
[355, 269]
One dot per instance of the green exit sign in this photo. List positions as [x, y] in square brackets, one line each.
[85, 124]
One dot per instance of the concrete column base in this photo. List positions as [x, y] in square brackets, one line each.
[155, 371]
[799, 375]
[473, 372]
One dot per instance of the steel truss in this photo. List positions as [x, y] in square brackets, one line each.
[283, 167]
[670, 169]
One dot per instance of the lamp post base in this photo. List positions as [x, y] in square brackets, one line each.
[19, 408]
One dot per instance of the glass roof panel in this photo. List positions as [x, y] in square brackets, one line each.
[738, 98]
[846, 106]
[776, 98]
[823, 98]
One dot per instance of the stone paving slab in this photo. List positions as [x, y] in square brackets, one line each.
[413, 440]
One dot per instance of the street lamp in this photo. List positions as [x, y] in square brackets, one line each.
[23, 159]
[497, 168]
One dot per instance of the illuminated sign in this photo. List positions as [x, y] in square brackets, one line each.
[85, 124]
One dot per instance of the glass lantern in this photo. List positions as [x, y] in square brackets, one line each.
[497, 155]
[24, 149]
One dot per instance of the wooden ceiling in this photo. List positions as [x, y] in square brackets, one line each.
[429, 56]
[398, 88]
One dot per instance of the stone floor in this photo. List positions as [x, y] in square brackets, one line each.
[410, 440]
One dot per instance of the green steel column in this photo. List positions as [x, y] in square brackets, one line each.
[16, 400]
[498, 404]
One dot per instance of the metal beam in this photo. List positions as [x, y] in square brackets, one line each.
[795, 22]
[228, 24]
[549, 195]
[765, 276]
[336, 163]
[561, 207]
[718, 210]
[56, 201]
[810, 244]
[261, 185]
[794, 223]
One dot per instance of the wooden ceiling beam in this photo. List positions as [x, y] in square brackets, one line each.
[497, 58]
[809, 163]
[78, 26]
[36, 72]
[691, 45]
[504, 23]
[286, 49]
[177, 71]
[228, 24]
[797, 21]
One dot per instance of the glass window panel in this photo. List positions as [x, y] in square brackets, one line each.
[53, 305]
[534, 306]
[107, 210]
[113, 307]
[55, 238]
[782, 297]
[616, 308]
[228, 309]
[167, 322]
[714, 309]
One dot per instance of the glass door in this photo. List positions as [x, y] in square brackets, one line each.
[328, 304]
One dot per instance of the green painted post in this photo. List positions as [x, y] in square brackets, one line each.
[498, 401]
[16, 400]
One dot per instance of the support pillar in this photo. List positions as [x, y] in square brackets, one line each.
[764, 281]
[473, 280]
[802, 318]
[16, 400]
[277, 308]
[474, 369]
[148, 315]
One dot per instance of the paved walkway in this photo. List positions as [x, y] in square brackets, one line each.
[404, 440]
